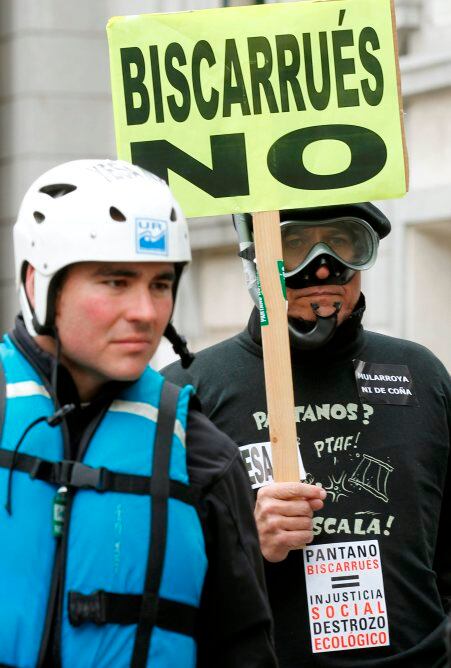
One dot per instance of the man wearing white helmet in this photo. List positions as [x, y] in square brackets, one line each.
[149, 559]
[363, 579]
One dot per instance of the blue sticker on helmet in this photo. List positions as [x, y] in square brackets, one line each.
[151, 236]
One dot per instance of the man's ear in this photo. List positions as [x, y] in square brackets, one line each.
[29, 284]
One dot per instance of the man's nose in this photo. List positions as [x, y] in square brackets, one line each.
[141, 307]
[322, 272]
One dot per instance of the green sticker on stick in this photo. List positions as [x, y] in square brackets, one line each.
[282, 278]
[261, 305]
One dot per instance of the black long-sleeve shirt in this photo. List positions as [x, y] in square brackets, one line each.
[384, 458]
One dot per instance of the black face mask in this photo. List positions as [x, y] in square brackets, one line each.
[339, 273]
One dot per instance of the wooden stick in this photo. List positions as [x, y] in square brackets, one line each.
[276, 348]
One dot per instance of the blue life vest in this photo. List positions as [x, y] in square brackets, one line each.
[132, 548]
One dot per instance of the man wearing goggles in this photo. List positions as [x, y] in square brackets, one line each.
[361, 578]
[349, 241]
[322, 259]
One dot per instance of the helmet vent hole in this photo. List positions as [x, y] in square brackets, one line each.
[173, 215]
[38, 216]
[56, 190]
[117, 215]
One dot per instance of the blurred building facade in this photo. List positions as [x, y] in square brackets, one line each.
[55, 105]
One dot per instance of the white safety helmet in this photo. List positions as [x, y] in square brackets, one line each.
[93, 210]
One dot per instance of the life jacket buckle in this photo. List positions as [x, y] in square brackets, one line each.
[77, 474]
[87, 608]
[86, 476]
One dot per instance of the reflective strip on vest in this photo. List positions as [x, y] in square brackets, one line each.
[149, 412]
[27, 388]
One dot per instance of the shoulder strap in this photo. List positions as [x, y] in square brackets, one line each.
[159, 493]
[2, 398]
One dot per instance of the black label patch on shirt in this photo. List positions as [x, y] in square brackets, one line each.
[385, 383]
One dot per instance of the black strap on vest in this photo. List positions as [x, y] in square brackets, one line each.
[159, 492]
[70, 473]
[104, 607]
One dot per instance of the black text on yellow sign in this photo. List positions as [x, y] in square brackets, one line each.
[250, 119]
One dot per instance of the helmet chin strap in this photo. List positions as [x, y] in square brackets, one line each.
[179, 345]
[178, 342]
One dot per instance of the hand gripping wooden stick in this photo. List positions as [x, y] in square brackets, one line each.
[276, 347]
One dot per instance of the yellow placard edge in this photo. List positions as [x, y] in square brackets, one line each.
[400, 98]
[115, 103]
[113, 20]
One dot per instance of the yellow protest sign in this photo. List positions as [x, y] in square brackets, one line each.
[262, 107]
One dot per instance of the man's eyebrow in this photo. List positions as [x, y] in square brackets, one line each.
[166, 276]
[118, 272]
[338, 228]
